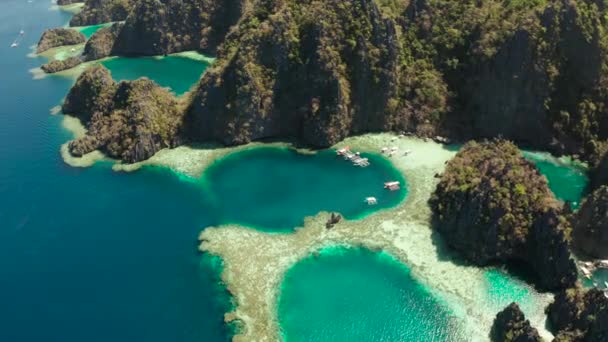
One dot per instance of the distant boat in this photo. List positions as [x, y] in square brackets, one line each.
[21, 33]
[14, 45]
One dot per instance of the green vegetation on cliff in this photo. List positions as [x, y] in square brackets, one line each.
[579, 315]
[59, 37]
[492, 205]
[531, 71]
[591, 224]
[102, 11]
[510, 325]
[130, 120]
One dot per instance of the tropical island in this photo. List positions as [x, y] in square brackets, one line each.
[503, 75]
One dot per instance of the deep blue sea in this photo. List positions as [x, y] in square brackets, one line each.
[89, 254]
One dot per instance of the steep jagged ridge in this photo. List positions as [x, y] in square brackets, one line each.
[101, 43]
[530, 71]
[510, 325]
[130, 120]
[492, 205]
[316, 71]
[102, 11]
[162, 27]
[579, 315]
[591, 224]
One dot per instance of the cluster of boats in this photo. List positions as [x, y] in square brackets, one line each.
[587, 267]
[355, 158]
[16, 41]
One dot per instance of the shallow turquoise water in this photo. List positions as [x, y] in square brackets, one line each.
[503, 289]
[358, 295]
[176, 72]
[88, 31]
[275, 188]
[567, 181]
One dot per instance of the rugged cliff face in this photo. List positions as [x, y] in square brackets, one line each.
[102, 11]
[59, 37]
[164, 27]
[130, 121]
[316, 73]
[101, 43]
[599, 175]
[510, 325]
[591, 224]
[579, 315]
[494, 206]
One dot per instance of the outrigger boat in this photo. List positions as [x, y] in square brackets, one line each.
[392, 186]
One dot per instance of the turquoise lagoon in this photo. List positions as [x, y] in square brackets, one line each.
[88, 31]
[357, 295]
[179, 73]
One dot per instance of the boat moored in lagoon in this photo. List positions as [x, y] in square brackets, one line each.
[392, 186]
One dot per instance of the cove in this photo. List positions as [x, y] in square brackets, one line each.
[345, 294]
[176, 72]
[567, 180]
[88, 31]
[276, 188]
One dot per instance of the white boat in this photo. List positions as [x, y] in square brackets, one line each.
[586, 272]
[392, 186]
[14, 45]
[21, 33]
[407, 153]
[384, 149]
[371, 200]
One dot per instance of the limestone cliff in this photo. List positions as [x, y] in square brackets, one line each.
[101, 43]
[314, 73]
[164, 27]
[599, 174]
[492, 205]
[102, 11]
[59, 37]
[510, 325]
[130, 121]
[579, 315]
[591, 224]
[317, 71]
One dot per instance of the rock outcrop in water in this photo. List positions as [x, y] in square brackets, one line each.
[103, 11]
[510, 325]
[130, 121]
[59, 37]
[492, 205]
[68, 2]
[591, 224]
[579, 315]
[101, 43]
[60, 65]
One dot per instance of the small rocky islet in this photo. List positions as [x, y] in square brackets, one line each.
[532, 73]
